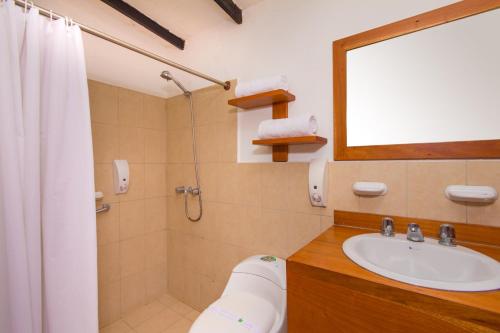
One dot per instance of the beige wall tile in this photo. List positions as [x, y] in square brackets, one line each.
[341, 177]
[275, 182]
[109, 302]
[136, 186]
[326, 223]
[180, 146]
[156, 180]
[485, 173]
[192, 246]
[249, 184]
[394, 175]
[207, 255]
[176, 280]
[132, 126]
[228, 223]
[226, 141]
[178, 116]
[103, 103]
[210, 290]
[427, 181]
[103, 177]
[155, 146]
[204, 228]
[130, 111]
[131, 144]
[175, 213]
[208, 180]
[192, 294]
[155, 249]
[272, 232]
[155, 114]
[105, 142]
[227, 182]
[155, 214]
[131, 219]
[176, 249]
[132, 256]
[210, 105]
[108, 225]
[156, 281]
[108, 261]
[207, 143]
[301, 229]
[133, 292]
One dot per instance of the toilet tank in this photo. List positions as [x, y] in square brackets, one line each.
[269, 267]
[263, 276]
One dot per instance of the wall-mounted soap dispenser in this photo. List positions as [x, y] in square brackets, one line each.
[318, 182]
[120, 176]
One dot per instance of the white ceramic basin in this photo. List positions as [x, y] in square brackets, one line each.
[426, 264]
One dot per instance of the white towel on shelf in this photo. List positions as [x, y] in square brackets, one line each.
[261, 85]
[302, 125]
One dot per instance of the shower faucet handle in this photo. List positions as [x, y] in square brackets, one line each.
[180, 189]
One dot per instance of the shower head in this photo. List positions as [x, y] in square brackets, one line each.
[168, 76]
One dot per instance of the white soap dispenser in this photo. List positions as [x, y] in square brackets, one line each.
[318, 182]
[120, 176]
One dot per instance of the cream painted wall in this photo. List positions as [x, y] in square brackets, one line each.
[291, 37]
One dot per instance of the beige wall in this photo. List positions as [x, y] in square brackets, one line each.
[248, 208]
[264, 208]
[132, 235]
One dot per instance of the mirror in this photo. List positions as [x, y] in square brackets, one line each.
[422, 87]
[435, 85]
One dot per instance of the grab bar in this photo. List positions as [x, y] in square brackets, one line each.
[103, 208]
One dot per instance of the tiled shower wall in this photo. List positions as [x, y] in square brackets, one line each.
[264, 208]
[132, 235]
[247, 208]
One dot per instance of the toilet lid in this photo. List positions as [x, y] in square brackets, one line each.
[236, 313]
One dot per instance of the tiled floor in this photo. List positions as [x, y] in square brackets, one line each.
[164, 315]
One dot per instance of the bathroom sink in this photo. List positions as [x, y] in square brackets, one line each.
[426, 264]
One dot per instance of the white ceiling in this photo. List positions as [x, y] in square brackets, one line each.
[112, 64]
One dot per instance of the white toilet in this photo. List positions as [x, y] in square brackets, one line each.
[254, 300]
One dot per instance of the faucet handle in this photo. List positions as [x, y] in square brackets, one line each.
[447, 235]
[387, 227]
[414, 233]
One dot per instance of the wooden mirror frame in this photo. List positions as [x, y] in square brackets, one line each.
[438, 150]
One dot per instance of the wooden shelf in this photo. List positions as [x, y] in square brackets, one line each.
[263, 99]
[298, 140]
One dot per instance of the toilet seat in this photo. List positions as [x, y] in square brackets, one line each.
[239, 312]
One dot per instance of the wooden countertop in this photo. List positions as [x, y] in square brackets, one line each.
[325, 253]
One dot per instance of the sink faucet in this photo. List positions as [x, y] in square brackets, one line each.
[447, 235]
[414, 233]
[387, 227]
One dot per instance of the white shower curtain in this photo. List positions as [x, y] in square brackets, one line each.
[48, 264]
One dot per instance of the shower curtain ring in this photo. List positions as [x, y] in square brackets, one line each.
[50, 15]
[25, 6]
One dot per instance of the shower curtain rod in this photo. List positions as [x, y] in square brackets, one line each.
[97, 33]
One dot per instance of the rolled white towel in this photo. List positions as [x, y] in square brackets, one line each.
[261, 85]
[302, 125]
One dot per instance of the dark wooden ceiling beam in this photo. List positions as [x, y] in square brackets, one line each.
[231, 9]
[146, 22]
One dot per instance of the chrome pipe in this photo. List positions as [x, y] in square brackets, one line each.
[116, 41]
